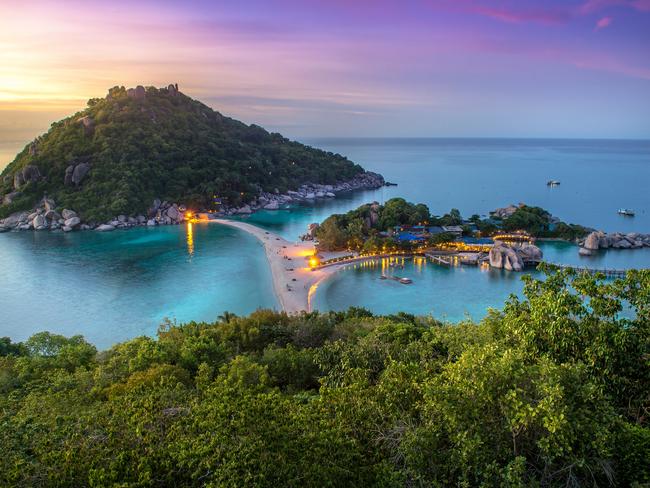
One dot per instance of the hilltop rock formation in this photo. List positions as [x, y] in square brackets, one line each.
[505, 212]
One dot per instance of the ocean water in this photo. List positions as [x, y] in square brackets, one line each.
[448, 293]
[478, 175]
[118, 285]
[114, 286]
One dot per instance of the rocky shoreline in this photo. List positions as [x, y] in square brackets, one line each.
[46, 215]
[600, 240]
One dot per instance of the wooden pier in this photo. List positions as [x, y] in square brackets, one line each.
[439, 259]
[612, 273]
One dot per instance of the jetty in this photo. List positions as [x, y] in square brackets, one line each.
[609, 272]
[445, 260]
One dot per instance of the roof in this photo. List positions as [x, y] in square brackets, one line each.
[406, 236]
[452, 228]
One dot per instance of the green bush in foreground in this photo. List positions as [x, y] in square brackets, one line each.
[553, 390]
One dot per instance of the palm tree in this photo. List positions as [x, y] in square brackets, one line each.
[226, 317]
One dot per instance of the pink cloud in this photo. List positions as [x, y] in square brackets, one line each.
[604, 22]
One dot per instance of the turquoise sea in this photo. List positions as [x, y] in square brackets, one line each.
[114, 286]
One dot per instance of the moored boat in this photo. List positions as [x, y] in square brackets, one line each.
[626, 211]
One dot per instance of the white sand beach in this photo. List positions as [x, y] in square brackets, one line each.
[293, 281]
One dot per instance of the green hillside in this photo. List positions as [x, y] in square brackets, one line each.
[135, 145]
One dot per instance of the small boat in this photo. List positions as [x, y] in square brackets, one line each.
[552, 183]
[626, 211]
[404, 281]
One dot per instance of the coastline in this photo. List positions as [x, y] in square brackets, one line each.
[45, 216]
[294, 282]
[292, 279]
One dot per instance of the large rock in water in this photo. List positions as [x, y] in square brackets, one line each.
[39, 222]
[529, 252]
[504, 257]
[72, 222]
[592, 242]
[174, 214]
[105, 228]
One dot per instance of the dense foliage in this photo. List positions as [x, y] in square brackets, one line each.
[538, 222]
[551, 391]
[359, 229]
[167, 146]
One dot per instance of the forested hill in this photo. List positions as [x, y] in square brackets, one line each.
[135, 145]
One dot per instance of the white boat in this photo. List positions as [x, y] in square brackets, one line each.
[552, 183]
[626, 211]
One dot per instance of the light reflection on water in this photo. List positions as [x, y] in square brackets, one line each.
[190, 239]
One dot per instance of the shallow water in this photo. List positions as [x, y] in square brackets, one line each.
[446, 293]
[114, 286]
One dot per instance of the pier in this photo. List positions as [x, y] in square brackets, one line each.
[610, 273]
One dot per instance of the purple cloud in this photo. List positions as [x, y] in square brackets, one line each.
[603, 22]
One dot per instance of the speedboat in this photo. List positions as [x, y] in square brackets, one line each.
[626, 211]
[552, 183]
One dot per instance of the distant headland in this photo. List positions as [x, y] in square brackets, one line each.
[146, 155]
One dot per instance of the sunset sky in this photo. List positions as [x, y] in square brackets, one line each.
[340, 68]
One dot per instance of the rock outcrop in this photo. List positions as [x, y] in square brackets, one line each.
[29, 173]
[105, 228]
[505, 257]
[600, 240]
[138, 92]
[515, 257]
[504, 212]
[88, 124]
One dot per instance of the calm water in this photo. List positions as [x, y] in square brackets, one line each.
[118, 285]
[451, 294]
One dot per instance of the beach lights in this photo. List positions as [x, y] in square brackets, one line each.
[314, 261]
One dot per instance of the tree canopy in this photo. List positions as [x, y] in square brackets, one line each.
[552, 390]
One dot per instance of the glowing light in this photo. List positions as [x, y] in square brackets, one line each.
[190, 239]
[314, 261]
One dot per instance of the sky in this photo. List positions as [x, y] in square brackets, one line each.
[333, 68]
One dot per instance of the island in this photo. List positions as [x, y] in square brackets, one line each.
[145, 156]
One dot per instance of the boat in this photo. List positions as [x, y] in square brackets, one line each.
[552, 183]
[404, 281]
[626, 211]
